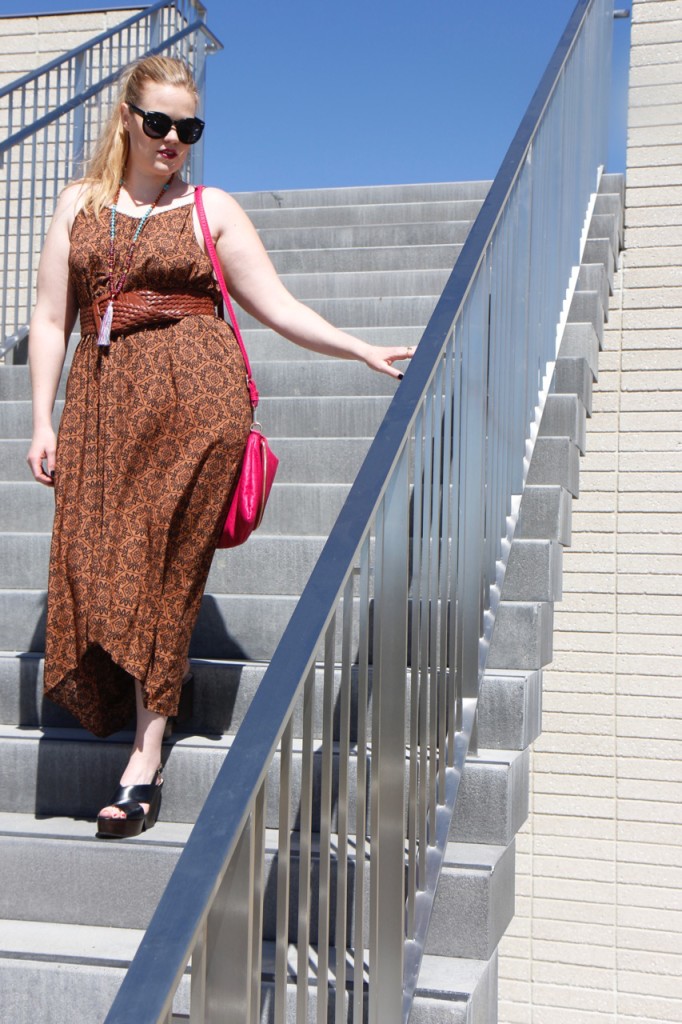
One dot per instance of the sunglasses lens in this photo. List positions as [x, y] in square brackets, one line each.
[189, 131]
[156, 125]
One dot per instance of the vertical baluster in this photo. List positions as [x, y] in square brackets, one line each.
[283, 876]
[431, 593]
[257, 905]
[377, 623]
[230, 937]
[387, 897]
[361, 786]
[19, 284]
[198, 983]
[324, 886]
[438, 612]
[305, 849]
[454, 689]
[497, 512]
[444, 572]
[341, 931]
[416, 839]
[425, 710]
[78, 138]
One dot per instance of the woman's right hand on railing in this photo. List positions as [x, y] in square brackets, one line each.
[42, 456]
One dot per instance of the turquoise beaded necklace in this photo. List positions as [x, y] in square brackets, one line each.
[104, 336]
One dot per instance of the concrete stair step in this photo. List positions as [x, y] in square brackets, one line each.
[612, 204]
[523, 635]
[320, 378]
[283, 377]
[223, 692]
[13, 465]
[487, 898]
[564, 416]
[556, 460]
[65, 973]
[59, 875]
[546, 513]
[318, 416]
[25, 556]
[581, 342]
[510, 710]
[264, 345]
[361, 194]
[29, 508]
[391, 311]
[371, 257]
[573, 376]
[377, 235]
[593, 277]
[378, 284]
[35, 785]
[587, 307]
[68, 973]
[229, 627]
[533, 571]
[375, 213]
[331, 460]
[605, 225]
[599, 250]
[492, 801]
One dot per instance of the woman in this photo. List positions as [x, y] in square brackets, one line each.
[155, 419]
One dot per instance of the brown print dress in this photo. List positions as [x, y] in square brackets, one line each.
[149, 442]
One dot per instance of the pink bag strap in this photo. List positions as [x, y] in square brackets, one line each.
[217, 270]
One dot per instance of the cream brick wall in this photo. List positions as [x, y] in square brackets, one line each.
[28, 42]
[597, 937]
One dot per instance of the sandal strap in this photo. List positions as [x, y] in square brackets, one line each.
[139, 794]
[131, 807]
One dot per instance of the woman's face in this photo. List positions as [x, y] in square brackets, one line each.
[158, 156]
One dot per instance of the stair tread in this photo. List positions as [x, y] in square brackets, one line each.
[110, 946]
[43, 940]
[17, 825]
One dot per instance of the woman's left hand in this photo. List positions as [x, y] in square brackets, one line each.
[382, 358]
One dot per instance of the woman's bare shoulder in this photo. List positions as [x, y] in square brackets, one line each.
[222, 209]
[70, 201]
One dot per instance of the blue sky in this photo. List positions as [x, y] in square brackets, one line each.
[316, 95]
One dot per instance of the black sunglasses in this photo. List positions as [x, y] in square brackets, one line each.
[156, 125]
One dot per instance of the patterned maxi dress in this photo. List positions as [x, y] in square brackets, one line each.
[149, 442]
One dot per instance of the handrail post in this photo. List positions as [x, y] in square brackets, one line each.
[79, 118]
[387, 885]
[155, 30]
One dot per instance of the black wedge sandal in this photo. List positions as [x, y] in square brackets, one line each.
[128, 799]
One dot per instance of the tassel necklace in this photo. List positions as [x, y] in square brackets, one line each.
[104, 336]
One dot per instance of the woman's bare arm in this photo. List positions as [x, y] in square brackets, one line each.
[51, 325]
[253, 281]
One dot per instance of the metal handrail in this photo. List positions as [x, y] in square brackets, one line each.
[32, 177]
[420, 545]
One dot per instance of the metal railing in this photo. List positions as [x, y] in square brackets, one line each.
[381, 663]
[50, 119]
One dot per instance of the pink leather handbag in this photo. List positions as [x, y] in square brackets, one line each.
[259, 463]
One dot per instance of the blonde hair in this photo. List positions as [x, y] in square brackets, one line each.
[108, 161]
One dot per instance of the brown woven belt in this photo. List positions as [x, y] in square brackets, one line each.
[133, 310]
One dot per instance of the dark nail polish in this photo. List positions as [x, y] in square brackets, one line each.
[52, 473]
[400, 376]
